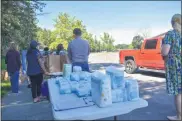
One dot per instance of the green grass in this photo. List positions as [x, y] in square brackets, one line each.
[3, 65]
[5, 87]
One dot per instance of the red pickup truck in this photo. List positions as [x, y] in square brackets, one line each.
[149, 56]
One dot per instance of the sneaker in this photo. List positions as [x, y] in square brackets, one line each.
[173, 118]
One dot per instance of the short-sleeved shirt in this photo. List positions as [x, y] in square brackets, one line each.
[78, 50]
[33, 67]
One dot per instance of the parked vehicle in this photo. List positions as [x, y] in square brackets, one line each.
[149, 56]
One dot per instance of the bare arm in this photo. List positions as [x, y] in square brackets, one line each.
[165, 49]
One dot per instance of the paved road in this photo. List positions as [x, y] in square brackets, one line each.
[152, 88]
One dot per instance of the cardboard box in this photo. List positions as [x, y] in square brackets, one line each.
[54, 63]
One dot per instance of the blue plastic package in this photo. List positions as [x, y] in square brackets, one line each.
[101, 89]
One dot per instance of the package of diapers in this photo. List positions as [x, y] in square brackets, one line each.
[132, 89]
[57, 79]
[117, 77]
[64, 87]
[74, 85]
[75, 76]
[85, 76]
[118, 95]
[77, 69]
[67, 70]
[101, 89]
[83, 89]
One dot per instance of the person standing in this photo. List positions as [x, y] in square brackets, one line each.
[60, 50]
[13, 66]
[35, 70]
[171, 51]
[79, 50]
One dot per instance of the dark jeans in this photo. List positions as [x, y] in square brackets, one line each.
[14, 79]
[83, 65]
[36, 81]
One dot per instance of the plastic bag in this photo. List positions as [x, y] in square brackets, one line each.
[132, 89]
[101, 89]
[85, 76]
[77, 69]
[117, 77]
[118, 95]
[67, 70]
[64, 87]
[84, 89]
[74, 85]
[75, 76]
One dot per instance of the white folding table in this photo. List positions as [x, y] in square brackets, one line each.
[92, 112]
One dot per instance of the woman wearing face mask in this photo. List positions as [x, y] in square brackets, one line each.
[171, 51]
[35, 70]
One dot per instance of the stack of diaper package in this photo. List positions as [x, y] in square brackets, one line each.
[78, 81]
[104, 89]
[122, 89]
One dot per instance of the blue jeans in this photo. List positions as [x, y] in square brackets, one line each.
[83, 65]
[14, 79]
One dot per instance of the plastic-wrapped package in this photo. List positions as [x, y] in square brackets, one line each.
[132, 89]
[118, 95]
[74, 85]
[57, 79]
[101, 89]
[75, 76]
[117, 77]
[83, 89]
[64, 87]
[67, 70]
[77, 69]
[85, 76]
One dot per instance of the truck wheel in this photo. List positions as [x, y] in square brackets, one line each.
[130, 66]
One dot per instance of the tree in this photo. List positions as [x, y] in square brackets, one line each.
[122, 46]
[45, 37]
[107, 42]
[18, 22]
[137, 41]
[63, 32]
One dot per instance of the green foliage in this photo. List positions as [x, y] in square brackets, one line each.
[5, 87]
[137, 42]
[107, 42]
[3, 65]
[122, 46]
[18, 22]
[130, 46]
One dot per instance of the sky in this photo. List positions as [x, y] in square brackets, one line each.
[121, 19]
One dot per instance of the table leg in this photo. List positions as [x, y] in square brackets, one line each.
[115, 118]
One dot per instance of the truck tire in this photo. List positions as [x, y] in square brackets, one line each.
[130, 66]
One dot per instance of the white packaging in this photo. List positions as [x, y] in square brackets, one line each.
[67, 70]
[84, 88]
[117, 77]
[101, 89]
[85, 76]
[118, 95]
[74, 85]
[77, 69]
[132, 89]
[64, 87]
[75, 76]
